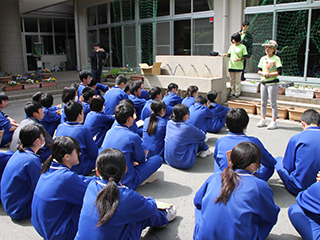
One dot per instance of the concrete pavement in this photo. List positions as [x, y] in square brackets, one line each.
[179, 186]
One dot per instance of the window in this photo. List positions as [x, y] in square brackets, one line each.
[31, 25]
[59, 26]
[147, 43]
[91, 16]
[47, 42]
[60, 44]
[163, 38]
[146, 9]
[102, 14]
[115, 11]
[116, 40]
[45, 24]
[250, 3]
[163, 8]
[202, 5]
[182, 6]
[182, 40]
[203, 36]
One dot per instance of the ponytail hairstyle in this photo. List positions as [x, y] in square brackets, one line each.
[28, 134]
[156, 107]
[242, 156]
[111, 165]
[61, 146]
[170, 87]
[212, 95]
[191, 90]
[179, 111]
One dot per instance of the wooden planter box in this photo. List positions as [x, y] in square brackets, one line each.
[295, 114]
[31, 86]
[302, 93]
[250, 87]
[282, 111]
[48, 84]
[46, 75]
[250, 107]
[138, 77]
[281, 91]
[12, 88]
[5, 79]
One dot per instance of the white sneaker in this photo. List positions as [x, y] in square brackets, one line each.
[272, 125]
[171, 213]
[205, 153]
[262, 123]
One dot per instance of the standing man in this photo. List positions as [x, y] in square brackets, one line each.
[97, 55]
[246, 39]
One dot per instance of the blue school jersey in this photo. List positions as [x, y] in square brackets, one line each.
[188, 101]
[63, 115]
[112, 99]
[250, 212]
[133, 127]
[4, 122]
[181, 144]
[171, 99]
[301, 160]
[80, 89]
[102, 87]
[89, 150]
[200, 116]
[138, 104]
[123, 225]
[86, 109]
[219, 119]
[227, 143]
[146, 110]
[144, 95]
[57, 202]
[51, 119]
[18, 183]
[154, 143]
[98, 124]
[129, 143]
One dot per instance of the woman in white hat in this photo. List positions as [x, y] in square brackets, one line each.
[270, 68]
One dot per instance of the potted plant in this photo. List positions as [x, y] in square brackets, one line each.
[49, 82]
[250, 86]
[46, 73]
[126, 72]
[114, 72]
[30, 84]
[5, 77]
[12, 86]
[300, 90]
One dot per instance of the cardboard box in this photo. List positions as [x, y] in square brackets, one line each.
[150, 70]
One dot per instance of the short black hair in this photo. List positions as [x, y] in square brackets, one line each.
[154, 92]
[3, 97]
[179, 111]
[84, 74]
[96, 44]
[46, 100]
[123, 111]
[127, 88]
[75, 85]
[97, 103]
[245, 23]
[237, 119]
[200, 99]
[172, 86]
[32, 107]
[121, 79]
[236, 37]
[37, 96]
[87, 93]
[135, 86]
[310, 116]
[72, 109]
[68, 94]
[93, 82]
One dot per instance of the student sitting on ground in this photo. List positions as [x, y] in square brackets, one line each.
[200, 114]
[191, 93]
[183, 141]
[97, 122]
[7, 124]
[139, 103]
[58, 197]
[237, 121]
[171, 98]
[234, 204]
[68, 94]
[154, 129]
[98, 86]
[22, 172]
[74, 128]
[85, 78]
[301, 160]
[51, 117]
[86, 97]
[155, 93]
[115, 95]
[112, 211]
[144, 94]
[35, 114]
[219, 112]
[130, 144]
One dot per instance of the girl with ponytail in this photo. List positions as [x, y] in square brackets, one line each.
[245, 201]
[58, 197]
[191, 93]
[154, 129]
[172, 98]
[112, 211]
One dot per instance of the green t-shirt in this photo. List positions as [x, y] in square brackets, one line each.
[269, 65]
[235, 53]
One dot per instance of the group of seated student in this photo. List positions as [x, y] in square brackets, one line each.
[81, 207]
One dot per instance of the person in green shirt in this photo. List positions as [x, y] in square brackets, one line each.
[270, 68]
[246, 39]
[237, 54]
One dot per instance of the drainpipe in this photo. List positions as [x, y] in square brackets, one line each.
[77, 33]
[224, 25]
